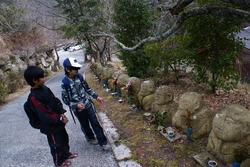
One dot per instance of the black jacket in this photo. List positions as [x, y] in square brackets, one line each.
[49, 109]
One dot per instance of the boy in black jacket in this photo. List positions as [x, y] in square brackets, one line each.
[51, 115]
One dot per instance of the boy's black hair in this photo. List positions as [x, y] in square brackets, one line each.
[33, 73]
[70, 68]
[66, 72]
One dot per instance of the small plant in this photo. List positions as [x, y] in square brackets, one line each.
[161, 119]
[3, 91]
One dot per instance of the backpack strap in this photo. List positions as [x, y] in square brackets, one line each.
[66, 85]
[82, 80]
[80, 77]
[83, 85]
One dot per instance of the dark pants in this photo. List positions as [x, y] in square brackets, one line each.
[88, 117]
[59, 146]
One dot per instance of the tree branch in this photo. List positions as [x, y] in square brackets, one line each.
[4, 22]
[179, 7]
[180, 20]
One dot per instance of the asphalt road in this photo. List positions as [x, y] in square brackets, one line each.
[23, 146]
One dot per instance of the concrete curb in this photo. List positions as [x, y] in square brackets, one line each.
[121, 152]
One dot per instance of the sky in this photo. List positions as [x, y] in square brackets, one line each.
[245, 33]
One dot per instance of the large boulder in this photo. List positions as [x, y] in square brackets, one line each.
[191, 112]
[147, 102]
[245, 163]
[230, 132]
[135, 84]
[147, 88]
[163, 95]
[233, 117]
[190, 101]
[164, 103]
[99, 70]
[45, 58]
[122, 80]
[93, 67]
[4, 59]
[107, 73]
[116, 74]
[131, 90]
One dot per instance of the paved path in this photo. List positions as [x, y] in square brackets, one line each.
[23, 146]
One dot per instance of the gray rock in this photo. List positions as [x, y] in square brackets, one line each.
[147, 102]
[135, 84]
[230, 132]
[147, 88]
[163, 95]
[123, 80]
[192, 113]
[190, 101]
[245, 163]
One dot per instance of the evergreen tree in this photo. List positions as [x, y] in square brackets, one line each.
[213, 42]
[85, 19]
[83, 16]
[132, 20]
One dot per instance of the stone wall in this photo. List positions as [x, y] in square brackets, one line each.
[45, 58]
[12, 66]
[227, 131]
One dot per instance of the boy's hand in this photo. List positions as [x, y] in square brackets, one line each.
[100, 99]
[64, 119]
[80, 106]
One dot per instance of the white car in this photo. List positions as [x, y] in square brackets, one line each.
[75, 48]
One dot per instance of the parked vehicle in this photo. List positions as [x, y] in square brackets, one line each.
[75, 48]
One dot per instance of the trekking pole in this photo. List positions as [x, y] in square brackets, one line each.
[72, 115]
[71, 112]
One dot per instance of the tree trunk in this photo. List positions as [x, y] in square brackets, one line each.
[108, 55]
[214, 85]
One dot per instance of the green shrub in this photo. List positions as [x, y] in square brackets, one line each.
[167, 56]
[14, 81]
[162, 119]
[137, 25]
